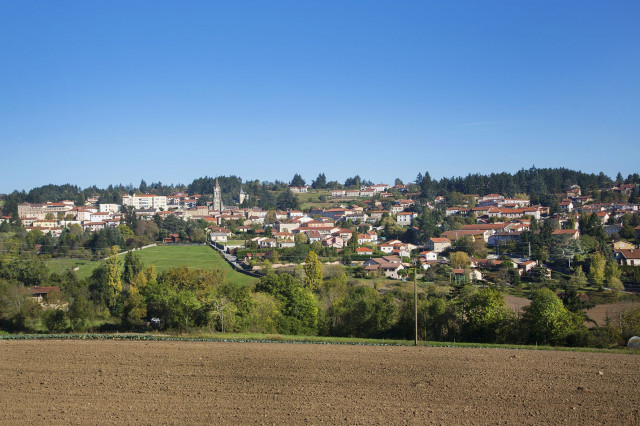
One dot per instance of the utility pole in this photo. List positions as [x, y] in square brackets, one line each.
[415, 299]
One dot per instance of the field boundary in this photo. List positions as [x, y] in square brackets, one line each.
[232, 260]
[130, 250]
[306, 340]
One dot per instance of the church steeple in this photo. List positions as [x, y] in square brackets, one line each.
[217, 197]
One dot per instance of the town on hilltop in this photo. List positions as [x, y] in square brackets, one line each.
[387, 220]
[572, 233]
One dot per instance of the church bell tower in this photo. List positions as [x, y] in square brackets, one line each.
[217, 197]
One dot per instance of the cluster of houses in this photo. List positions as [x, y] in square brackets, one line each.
[517, 211]
[499, 220]
[52, 218]
[496, 206]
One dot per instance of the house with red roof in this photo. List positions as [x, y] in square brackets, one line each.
[42, 294]
[630, 257]
[390, 266]
[571, 233]
[364, 251]
[474, 235]
[428, 255]
[438, 244]
[333, 241]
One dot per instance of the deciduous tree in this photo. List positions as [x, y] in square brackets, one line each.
[597, 268]
[113, 277]
[132, 266]
[547, 320]
[312, 271]
[488, 319]
[460, 260]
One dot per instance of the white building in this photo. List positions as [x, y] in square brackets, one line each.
[99, 217]
[113, 208]
[404, 219]
[147, 201]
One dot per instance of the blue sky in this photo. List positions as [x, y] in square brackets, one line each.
[108, 92]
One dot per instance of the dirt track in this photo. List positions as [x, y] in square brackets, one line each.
[93, 382]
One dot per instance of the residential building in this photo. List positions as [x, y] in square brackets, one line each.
[113, 208]
[299, 189]
[438, 245]
[364, 251]
[571, 233]
[471, 234]
[390, 266]
[404, 219]
[428, 255]
[146, 201]
[629, 257]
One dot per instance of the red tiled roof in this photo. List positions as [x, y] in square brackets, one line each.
[45, 290]
[564, 232]
[440, 240]
[629, 253]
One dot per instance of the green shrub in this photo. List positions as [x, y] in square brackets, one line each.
[55, 321]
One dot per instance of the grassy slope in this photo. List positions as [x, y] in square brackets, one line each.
[310, 199]
[61, 265]
[164, 258]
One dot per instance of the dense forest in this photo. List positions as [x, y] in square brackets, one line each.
[534, 181]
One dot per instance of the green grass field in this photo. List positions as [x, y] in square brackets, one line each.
[163, 258]
[61, 265]
[312, 195]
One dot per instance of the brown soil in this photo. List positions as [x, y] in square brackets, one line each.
[599, 313]
[97, 382]
[515, 303]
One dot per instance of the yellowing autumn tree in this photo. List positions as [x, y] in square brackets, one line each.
[134, 309]
[460, 260]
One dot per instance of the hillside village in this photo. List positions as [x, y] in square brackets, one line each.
[486, 255]
[377, 228]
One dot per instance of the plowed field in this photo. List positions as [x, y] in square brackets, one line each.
[96, 382]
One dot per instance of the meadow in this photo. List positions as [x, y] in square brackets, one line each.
[163, 258]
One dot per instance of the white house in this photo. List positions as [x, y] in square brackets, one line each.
[99, 216]
[113, 208]
[428, 255]
[404, 219]
[299, 189]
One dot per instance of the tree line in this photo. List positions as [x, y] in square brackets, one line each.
[537, 182]
[311, 300]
